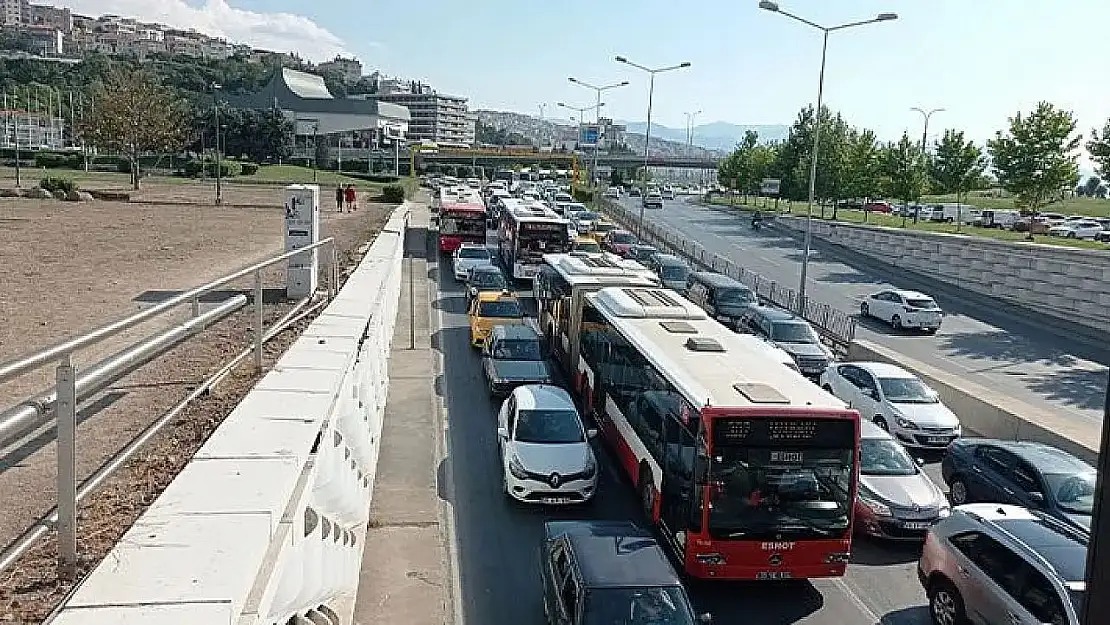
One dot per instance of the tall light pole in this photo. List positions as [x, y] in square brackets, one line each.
[925, 129]
[690, 134]
[580, 111]
[597, 113]
[647, 132]
[767, 5]
[216, 112]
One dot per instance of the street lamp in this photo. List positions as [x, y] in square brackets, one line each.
[773, 7]
[597, 112]
[216, 112]
[925, 130]
[582, 118]
[647, 132]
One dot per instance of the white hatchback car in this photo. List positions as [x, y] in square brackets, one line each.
[896, 400]
[545, 450]
[903, 309]
[468, 256]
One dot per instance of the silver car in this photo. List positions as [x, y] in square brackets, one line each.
[469, 256]
[897, 500]
[997, 564]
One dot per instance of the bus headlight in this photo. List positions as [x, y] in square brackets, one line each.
[838, 557]
[710, 558]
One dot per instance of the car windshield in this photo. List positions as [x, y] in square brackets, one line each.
[518, 349]
[587, 246]
[1075, 493]
[586, 216]
[793, 332]
[622, 237]
[907, 391]
[473, 252]
[883, 456]
[491, 280]
[603, 227]
[759, 492]
[674, 272]
[921, 302]
[507, 309]
[549, 426]
[635, 606]
[735, 296]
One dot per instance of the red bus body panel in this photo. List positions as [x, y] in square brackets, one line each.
[451, 242]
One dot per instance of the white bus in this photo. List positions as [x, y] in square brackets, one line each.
[560, 288]
[527, 231]
[730, 450]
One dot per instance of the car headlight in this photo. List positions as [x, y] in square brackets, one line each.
[945, 511]
[906, 424]
[517, 469]
[591, 468]
[877, 507]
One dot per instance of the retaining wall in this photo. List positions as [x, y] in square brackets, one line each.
[266, 522]
[1068, 283]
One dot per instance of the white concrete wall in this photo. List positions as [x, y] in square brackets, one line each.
[1069, 283]
[267, 521]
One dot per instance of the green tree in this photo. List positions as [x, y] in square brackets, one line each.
[862, 166]
[1036, 159]
[132, 114]
[957, 163]
[904, 166]
[1099, 149]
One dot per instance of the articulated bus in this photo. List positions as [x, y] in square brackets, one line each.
[527, 231]
[560, 288]
[748, 469]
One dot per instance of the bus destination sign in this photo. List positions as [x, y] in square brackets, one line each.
[790, 432]
[542, 226]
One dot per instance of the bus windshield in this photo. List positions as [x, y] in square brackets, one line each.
[465, 223]
[537, 239]
[771, 477]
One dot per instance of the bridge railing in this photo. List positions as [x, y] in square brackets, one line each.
[836, 327]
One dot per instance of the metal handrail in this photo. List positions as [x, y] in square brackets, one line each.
[35, 360]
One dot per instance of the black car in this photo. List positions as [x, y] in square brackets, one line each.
[602, 572]
[484, 278]
[1023, 473]
[789, 332]
[513, 356]
[640, 252]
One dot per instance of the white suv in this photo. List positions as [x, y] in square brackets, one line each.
[545, 450]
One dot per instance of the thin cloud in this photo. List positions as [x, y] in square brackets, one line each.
[279, 32]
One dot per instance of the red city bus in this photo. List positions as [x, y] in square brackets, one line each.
[461, 222]
[748, 469]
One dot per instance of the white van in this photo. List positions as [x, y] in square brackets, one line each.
[1002, 219]
[951, 213]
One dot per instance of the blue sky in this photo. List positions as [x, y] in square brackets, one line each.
[982, 60]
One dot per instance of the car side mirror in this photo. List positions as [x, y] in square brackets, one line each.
[1038, 498]
[870, 392]
[591, 433]
[503, 433]
[705, 618]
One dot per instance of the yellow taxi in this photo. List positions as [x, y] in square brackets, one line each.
[491, 309]
[586, 244]
[600, 229]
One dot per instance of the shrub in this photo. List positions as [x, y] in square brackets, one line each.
[123, 166]
[55, 160]
[582, 194]
[54, 184]
[249, 169]
[228, 169]
[393, 194]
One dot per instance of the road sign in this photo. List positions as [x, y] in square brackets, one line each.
[588, 135]
[770, 186]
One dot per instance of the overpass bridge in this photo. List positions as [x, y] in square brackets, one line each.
[502, 158]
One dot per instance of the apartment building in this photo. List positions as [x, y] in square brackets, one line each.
[434, 116]
[14, 12]
[349, 69]
[43, 16]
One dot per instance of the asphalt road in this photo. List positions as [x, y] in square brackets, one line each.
[498, 541]
[1036, 362]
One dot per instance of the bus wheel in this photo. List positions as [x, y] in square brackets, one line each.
[647, 492]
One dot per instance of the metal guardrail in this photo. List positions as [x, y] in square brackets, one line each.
[66, 396]
[836, 326]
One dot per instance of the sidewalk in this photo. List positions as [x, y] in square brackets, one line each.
[404, 577]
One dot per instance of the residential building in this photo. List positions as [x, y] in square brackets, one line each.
[349, 69]
[50, 17]
[31, 130]
[14, 12]
[436, 117]
[47, 40]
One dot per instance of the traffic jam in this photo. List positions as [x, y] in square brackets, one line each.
[755, 454]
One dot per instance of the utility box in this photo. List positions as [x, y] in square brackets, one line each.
[302, 228]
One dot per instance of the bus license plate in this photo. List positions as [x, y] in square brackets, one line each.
[774, 575]
[916, 525]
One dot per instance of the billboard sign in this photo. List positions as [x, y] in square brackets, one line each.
[770, 186]
[589, 135]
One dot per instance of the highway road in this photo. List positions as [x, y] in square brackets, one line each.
[498, 541]
[1036, 362]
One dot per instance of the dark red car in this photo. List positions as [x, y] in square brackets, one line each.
[878, 207]
[618, 242]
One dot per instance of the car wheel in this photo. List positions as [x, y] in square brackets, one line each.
[880, 421]
[864, 310]
[946, 606]
[958, 491]
[1071, 235]
[896, 322]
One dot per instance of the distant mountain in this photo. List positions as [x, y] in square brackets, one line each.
[714, 136]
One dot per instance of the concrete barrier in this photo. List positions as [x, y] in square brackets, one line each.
[988, 412]
[265, 524]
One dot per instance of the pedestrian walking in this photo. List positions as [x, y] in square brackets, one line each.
[339, 198]
[352, 198]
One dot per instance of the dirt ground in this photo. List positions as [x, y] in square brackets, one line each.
[73, 267]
